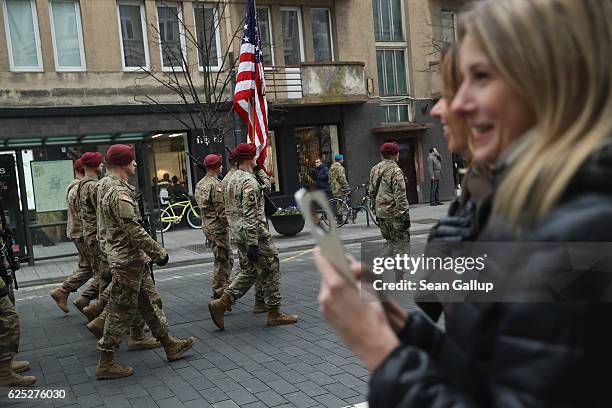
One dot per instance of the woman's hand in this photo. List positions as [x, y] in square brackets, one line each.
[362, 325]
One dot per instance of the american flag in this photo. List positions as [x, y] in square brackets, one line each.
[250, 93]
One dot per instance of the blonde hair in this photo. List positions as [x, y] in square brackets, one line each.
[556, 55]
[451, 81]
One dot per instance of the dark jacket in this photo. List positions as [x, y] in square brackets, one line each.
[322, 178]
[515, 354]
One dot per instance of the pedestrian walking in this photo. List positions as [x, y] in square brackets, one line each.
[388, 187]
[74, 232]
[129, 248]
[209, 196]
[244, 204]
[434, 169]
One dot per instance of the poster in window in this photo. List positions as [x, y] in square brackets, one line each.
[50, 180]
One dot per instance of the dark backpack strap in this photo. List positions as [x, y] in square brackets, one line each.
[377, 187]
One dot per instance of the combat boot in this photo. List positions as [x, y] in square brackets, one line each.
[8, 378]
[217, 310]
[60, 295]
[218, 293]
[278, 318]
[175, 348]
[81, 302]
[96, 326]
[20, 366]
[109, 368]
[91, 311]
[138, 341]
[260, 306]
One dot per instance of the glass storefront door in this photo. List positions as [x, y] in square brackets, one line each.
[314, 142]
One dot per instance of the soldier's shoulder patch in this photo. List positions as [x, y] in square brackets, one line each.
[126, 198]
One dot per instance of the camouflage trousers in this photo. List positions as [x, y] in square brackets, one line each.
[84, 272]
[224, 260]
[265, 272]
[259, 290]
[9, 328]
[102, 273]
[132, 297]
[397, 237]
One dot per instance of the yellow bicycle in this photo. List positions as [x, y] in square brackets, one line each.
[173, 214]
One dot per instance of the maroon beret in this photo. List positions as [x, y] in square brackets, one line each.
[78, 166]
[92, 159]
[120, 155]
[245, 151]
[212, 161]
[389, 148]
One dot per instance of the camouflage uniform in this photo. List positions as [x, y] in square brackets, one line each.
[129, 248]
[88, 198]
[74, 232]
[337, 179]
[9, 322]
[391, 205]
[209, 195]
[244, 208]
[105, 279]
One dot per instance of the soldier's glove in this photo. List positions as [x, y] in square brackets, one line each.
[456, 228]
[407, 223]
[253, 253]
[164, 261]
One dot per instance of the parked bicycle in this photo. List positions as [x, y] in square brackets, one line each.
[343, 210]
[174, 213]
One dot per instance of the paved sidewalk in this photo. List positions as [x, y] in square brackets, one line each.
[186, 246]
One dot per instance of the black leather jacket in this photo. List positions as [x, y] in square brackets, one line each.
[515, 354]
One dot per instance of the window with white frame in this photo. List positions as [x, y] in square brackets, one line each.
[208, 36]
[23, 40]
[67, 35]
[265, 35]
[388, 20]
[133, 27]
[291, 24]
[321, 34]
[391, 72]
[169, 18]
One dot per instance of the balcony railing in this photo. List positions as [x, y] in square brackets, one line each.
[316, 83]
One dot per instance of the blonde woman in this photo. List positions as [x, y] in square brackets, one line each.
[536, 90]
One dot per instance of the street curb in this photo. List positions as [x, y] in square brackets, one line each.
[209, 259]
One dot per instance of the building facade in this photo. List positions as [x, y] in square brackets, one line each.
[341, 77]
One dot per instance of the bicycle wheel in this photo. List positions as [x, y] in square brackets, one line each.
[340, 210]
[370, 213]
[166, 219]
[194, 219]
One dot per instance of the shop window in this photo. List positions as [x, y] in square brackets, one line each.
[315, 142]
[171, 176]
[271, 162]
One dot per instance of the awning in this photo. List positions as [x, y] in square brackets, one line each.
[400, 127]
[72, 140]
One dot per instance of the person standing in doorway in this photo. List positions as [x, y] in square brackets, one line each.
[322, 177]
[434, 168]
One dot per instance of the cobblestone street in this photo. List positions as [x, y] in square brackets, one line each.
[247, 365]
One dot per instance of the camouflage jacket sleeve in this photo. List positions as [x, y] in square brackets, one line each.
[398, 186]
[342, 178]
[266, 186]
[125, 207]
[250, 192]
[372, 185]
[88, 206]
